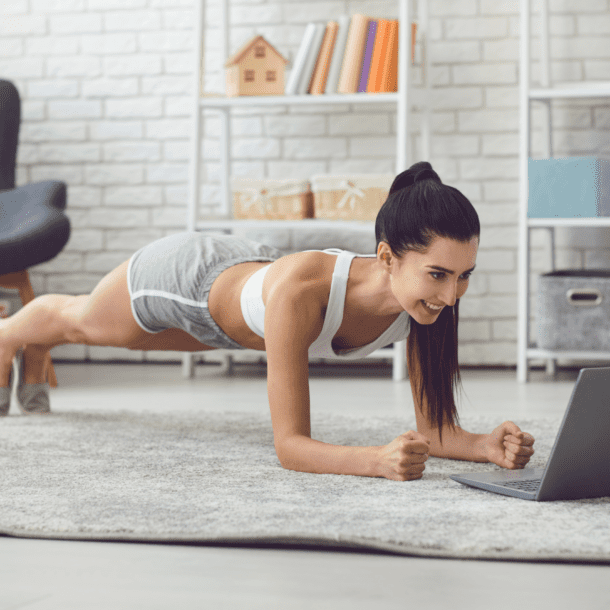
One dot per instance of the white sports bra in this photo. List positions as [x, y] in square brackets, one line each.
[253, 310]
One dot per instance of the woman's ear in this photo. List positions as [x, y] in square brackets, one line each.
[384, 254]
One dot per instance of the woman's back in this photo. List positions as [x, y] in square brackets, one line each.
[332, 283]
[309, 272]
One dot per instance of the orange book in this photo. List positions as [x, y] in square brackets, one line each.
[379, 52]
[413, 41]
[389, 79]
[320, 73]
[354, 54]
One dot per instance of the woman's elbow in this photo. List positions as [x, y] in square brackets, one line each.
[289, 455]
[285, 456]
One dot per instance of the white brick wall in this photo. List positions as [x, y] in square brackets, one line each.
[106, 88]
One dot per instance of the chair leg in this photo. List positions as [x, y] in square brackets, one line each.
[20, 280]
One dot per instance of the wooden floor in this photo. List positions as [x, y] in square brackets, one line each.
[45, 575]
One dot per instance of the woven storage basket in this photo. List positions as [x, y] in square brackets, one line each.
[350, 197]
[272, 199]
[574, 310]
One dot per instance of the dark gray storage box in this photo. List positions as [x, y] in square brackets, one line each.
[574, 310]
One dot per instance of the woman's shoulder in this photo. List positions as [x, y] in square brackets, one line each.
[313, 263]
[309, 271]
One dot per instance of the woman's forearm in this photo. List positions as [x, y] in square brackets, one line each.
[457, 444]
[305, 454]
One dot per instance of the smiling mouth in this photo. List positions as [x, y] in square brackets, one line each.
[431, 307]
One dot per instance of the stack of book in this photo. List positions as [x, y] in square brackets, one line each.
[352, 55]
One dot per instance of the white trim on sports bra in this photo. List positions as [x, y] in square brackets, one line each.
[253, 310]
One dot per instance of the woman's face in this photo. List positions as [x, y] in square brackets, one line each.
[424, 283]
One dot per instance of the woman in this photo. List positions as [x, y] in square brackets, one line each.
[192, 292]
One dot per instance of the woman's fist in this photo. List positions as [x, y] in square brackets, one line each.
[404, 459]
[508, 446]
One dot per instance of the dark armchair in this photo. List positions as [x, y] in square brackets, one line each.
[33, 225]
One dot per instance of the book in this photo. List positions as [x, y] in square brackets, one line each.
[310, 60]
[299, 61]
[389, 80]
[338, 52]
[413, 41]
[320, 73]
[368, 54]
[354, 53]
[379, 52]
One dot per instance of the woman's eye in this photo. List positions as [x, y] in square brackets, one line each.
[437, 275]
[466, 276]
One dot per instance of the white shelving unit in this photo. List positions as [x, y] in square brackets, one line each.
[545, 93]
[223, 105]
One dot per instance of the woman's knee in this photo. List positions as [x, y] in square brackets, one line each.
[74, 319]
[54, 315]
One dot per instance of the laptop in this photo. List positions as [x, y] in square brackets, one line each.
[579, 464]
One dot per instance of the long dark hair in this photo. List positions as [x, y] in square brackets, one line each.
[418, 209]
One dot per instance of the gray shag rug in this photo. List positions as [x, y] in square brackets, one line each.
[213, 478]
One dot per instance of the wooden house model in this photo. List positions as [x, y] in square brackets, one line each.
[256, 69]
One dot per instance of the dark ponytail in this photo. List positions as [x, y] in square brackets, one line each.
[418, 209]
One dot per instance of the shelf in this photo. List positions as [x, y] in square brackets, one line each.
[212, 101]
[308, 223]
[404, 101]
[569, 222]
[384, 352]
[571, 91]
[547, 354]
[556, 91]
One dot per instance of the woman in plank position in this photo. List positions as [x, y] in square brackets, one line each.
[194, 292]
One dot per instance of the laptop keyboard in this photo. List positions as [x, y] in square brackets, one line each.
[526, 485]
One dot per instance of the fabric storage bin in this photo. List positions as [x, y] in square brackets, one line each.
[272, 199]
[574, 310]
[353, 197]
[576, 187]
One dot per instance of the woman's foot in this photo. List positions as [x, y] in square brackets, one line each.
[6, 359]
[5, 401]
[5, 395]
[32, 391]
[33, 365]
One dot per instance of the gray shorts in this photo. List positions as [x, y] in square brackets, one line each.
[169, 282]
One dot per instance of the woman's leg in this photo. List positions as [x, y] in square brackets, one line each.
[103, 317]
